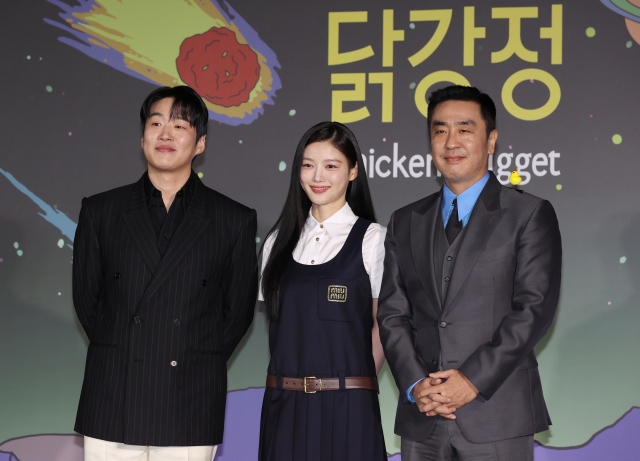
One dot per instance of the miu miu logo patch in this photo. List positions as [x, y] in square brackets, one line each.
[337, 293]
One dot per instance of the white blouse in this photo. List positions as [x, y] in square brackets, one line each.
[321, 242]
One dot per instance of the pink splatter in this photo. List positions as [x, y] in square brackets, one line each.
[532, 80]
[384, 139]
[70, 133]
[40, 58]
[510, 146]
[59, 294]
[591, 116]
[1, 260]
[609, 303]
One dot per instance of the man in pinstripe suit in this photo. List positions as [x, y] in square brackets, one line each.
[164, 285]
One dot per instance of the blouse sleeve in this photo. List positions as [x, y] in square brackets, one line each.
[266, 251]
[373, 256]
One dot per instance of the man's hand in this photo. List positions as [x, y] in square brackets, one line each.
[455, 392]
[428, 401]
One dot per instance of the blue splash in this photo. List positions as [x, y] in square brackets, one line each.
[55, 217]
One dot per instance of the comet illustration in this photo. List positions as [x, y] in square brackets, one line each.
[200, 43]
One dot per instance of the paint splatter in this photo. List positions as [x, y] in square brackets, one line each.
[49, 88]
[19, 252]
[623, 260]
[412, 26]
[372, 150]
[292, 112]
[412, 85]
[200, 174]
[16, 245]
[510, 146]
[59, 293]
[55, 217]
[70, 133]
[240, 141]
[616, 138]
[558, 186]
[282, 166]
[609, 303]
[257, 239]
[629, 43]
[591, 32]
[29, 56]
[384, 139]
[60, 243]
[1, 260]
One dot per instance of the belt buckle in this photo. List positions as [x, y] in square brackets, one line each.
[305, 384]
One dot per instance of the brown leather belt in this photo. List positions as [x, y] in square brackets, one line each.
[311, 384]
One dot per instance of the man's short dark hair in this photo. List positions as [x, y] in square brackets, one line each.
[187, 105]
[465, 93]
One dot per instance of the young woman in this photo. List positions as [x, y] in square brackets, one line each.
[322, 270]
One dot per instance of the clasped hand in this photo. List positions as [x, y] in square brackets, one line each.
[442, 393]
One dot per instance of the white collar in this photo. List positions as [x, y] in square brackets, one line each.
[335, 222]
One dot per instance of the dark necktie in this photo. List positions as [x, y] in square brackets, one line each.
[454, 225]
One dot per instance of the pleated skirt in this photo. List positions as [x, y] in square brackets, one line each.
[325, 426]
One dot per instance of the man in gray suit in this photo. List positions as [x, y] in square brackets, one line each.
[471, 284]
[164, 285]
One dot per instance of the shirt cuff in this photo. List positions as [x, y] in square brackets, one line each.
[409, 395]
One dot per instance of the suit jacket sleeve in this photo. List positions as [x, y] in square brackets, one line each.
[240, 285]
[395, 320]
[536, 289]
[87, 272]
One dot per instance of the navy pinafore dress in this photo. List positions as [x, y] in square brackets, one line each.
[316, 335]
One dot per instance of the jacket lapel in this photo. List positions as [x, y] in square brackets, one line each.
[138, 223]
[192, 224]
[484, 218]
[423, 226]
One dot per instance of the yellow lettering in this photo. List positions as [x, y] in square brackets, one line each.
[335, 56]
[471, 34]
[389, 35]
[554, 33]
[386, 80]
[339, 97]
[444, 21]
[531, 114]
[432, 79]
[515, 15]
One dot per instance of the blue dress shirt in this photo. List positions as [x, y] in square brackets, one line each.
[466, 202]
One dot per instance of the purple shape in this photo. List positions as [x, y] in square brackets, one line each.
[4, 456]
[46, 447]
[619, 442]
[241, 425]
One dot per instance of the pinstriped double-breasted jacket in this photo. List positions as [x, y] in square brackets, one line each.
[161, 328]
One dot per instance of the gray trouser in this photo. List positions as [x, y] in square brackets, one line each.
[446, 443]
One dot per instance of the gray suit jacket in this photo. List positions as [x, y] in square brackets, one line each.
[161, 328]
[502, 298]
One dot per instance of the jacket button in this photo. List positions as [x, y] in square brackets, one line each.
[443, 324]
[449, 258]
[174, 363]
[136, 319]
[204, 282]
[116, 275]
[176, 322]
[447, 278]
